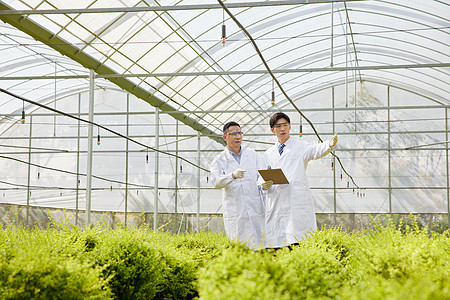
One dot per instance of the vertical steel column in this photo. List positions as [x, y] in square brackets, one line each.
[198, 181]
[126, 162]
[155, 214]
[29, 170]
[78, 161]
[354, 78]
[389, 146]
[54, 116]
[176, 179]
[89, 153]
[334, 161]
[446, 160]
[332, 35]
[346, 62]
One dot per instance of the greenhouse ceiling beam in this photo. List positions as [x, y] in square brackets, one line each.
[232, 111]
[220, 150]
[162, 8]
[220, 73]
[43, 35]
[247, 135]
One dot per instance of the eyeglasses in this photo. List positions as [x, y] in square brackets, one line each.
[234, 134]
[284, 125]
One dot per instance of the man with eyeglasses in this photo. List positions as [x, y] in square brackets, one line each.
[290, 212]
[235, 170]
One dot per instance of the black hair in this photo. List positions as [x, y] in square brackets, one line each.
[228, 125]
[276, 116]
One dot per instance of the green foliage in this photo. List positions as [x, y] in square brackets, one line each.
[133, 266]
[335, 240]
[183, 256]
[312, 272]
[239, 274]
[309, 271]
[205, 246]
[394, 260]
[403, 261]
[30, 269]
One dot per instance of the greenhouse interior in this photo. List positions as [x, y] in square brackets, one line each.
[121, 176]
[113, 110]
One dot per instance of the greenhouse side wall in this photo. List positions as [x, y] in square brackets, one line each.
[42, 217]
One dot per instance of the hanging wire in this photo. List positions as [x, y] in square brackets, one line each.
[46, 188]
[71, 173]
[278, 83]
[100, 126]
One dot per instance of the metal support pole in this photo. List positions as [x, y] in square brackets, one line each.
[176, 180]
[334, 164]
[78, 161]
[354, 78]
[332, 35]
[90, 143]
[155, 214]
[198, 181]
[126, 162]
[446, 160]
[54, 104]
[29, 170]
[346, 63]
[389, 146]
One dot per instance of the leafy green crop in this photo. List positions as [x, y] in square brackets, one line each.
[33, 267]
[390, 261]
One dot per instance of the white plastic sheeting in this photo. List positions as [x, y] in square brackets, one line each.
[397, 53]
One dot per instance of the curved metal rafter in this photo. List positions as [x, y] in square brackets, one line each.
[89, 62]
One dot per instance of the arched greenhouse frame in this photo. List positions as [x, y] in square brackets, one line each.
[115, 109]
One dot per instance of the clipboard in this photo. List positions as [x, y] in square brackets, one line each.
[276, 175]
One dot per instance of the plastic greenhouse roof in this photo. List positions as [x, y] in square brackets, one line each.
[172, 55]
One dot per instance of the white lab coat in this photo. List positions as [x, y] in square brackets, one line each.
[242, 203]
[290, 210]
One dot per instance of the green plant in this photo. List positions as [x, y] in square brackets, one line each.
[36, 273]
[133, 266]
[241, 274]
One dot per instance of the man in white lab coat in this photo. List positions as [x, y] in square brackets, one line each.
[290, 212]
[235, 170]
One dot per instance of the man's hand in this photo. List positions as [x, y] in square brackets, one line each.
[333, 140]
[238, 173]
[267, 184]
